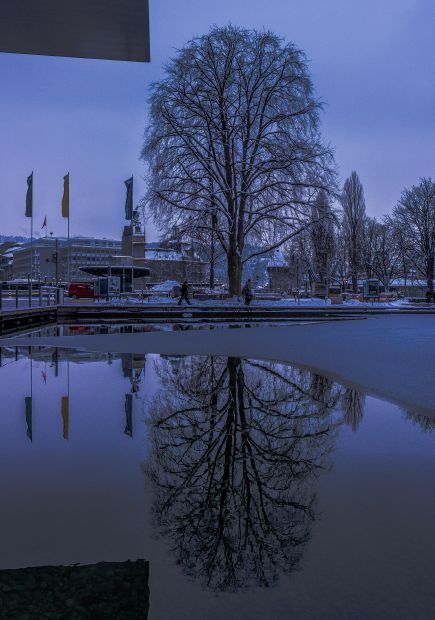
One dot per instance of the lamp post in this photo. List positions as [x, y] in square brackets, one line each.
[56, 259]
[29, 290]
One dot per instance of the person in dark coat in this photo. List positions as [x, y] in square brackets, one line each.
[247, 292]
[184, 293]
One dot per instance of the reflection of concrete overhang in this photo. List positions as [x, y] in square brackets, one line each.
[106, 29]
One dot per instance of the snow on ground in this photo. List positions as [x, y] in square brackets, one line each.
[391, 356]
[285, 302]
[167, 286]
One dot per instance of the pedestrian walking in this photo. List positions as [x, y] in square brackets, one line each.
[247, 292]
[184, 293]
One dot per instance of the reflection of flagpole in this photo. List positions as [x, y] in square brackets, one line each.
[128, 408]
[28, 401]
[55, 361]
[65, 409]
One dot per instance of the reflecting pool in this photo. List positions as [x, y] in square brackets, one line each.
[254, 489]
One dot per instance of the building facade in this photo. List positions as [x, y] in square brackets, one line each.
[283, 273]
[5, 267]
[62, 257]
[174, 262]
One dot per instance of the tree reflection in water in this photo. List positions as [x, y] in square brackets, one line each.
[353, 403]
[236, 449]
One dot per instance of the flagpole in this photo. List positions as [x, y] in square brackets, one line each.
[132, 231]
[69, 244]
[31, 249]
[31, 246]
[65, 213]
[69, 254]
[69, 248]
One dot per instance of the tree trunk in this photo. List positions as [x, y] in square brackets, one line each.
[212, 249]
[354, 283]
[235, 270]
[429, 273]
[211, 281]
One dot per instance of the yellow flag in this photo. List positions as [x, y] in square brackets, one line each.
[65, 197]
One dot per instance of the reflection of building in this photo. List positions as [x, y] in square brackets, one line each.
[174, 261]
[132, 364]
[78, 251]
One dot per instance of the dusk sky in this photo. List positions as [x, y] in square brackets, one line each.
[372, 62]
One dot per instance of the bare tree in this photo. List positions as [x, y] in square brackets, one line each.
[425, 423]
[369, 245]
[323, 242]
[354, 210]
[381, 255]
[413, 219]
[353, 403]
[388, 263]
[340, 273]
[234, 131]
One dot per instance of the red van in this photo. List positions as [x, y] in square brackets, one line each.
[81, 290]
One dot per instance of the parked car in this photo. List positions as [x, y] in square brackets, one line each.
[81, 290]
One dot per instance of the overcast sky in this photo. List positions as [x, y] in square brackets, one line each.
[372, 62]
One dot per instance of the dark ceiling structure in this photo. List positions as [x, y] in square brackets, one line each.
[103, 29]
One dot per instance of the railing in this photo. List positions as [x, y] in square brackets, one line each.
[14, 297]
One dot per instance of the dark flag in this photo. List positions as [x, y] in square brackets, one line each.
[129, 199]
[128, 406]
[29, 196]
[29, 407]
[65, 197]
[44, 223]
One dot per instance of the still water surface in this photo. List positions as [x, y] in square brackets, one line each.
[256, 490]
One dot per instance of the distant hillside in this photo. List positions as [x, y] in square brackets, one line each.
[15, 238]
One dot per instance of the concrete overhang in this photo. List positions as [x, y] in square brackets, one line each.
[102, 29]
